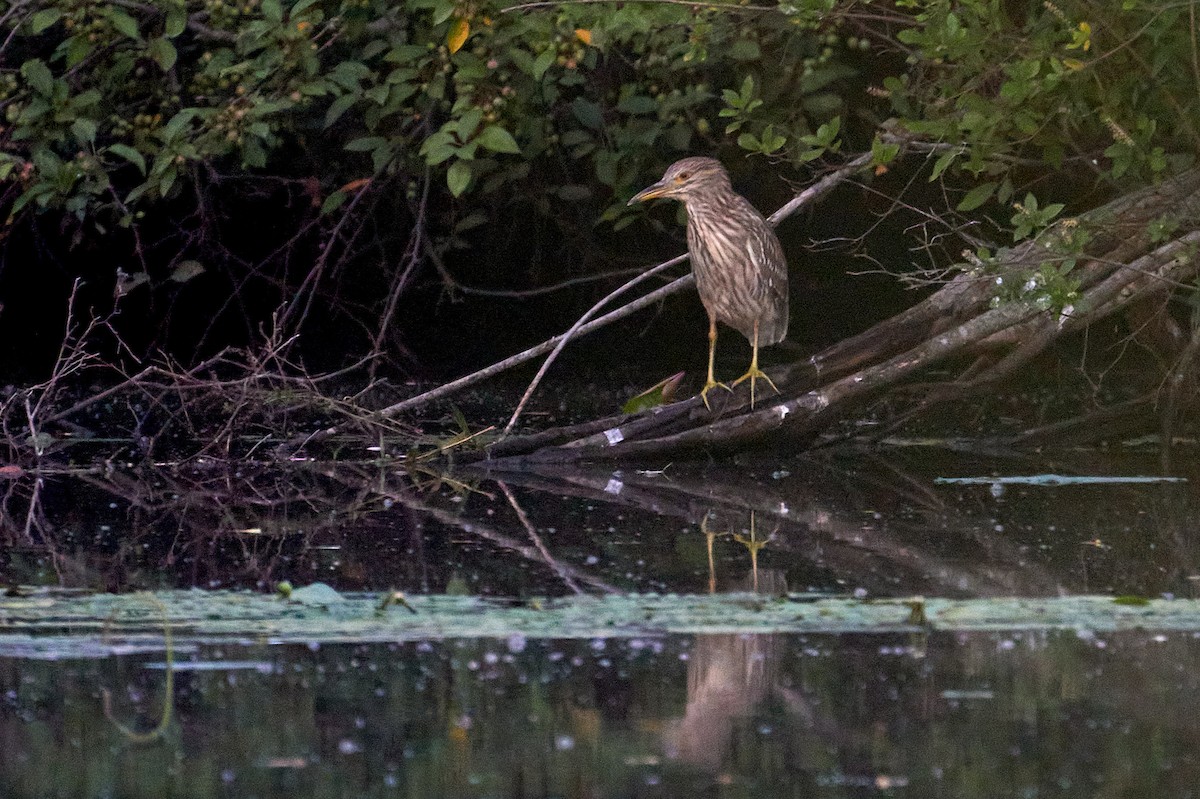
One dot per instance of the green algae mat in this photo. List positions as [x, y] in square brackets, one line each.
[96, 625]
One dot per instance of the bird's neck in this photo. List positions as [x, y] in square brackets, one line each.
[712, 203]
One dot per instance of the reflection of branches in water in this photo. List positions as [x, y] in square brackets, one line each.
[554, 565]
[488, 533]
[23, 518]
[821, 515]
[214, 523]
[172, 518]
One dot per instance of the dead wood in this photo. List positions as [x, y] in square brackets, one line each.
[1119, 267]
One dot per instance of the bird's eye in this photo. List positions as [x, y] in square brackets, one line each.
[682, 176]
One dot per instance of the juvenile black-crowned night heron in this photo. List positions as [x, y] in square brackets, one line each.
[741, 273]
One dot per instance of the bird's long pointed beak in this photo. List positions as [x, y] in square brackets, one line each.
[649, 193]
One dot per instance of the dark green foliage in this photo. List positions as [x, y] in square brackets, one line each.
[1106, 88]
[362, 124]
[292, 149]
[138, 98]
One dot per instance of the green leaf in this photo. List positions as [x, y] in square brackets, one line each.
[38, 75]
[442, 11]
[166, 182]
[820, 78]
[129, 154]
[748, 141]
[178, 122]
[827, 132]
[272, 11]
[465, 125]
[457, 177]
[365, 143]
[163, 53]
[44, 19]
[575, 137]
[253, 153]
[498, 140]
[84, 130]
[1006, 191]
[588, 113]
[124, 23]
[176, 22]
[977, 196]
[883, 154]
[471, 221]
[77, 48]
[747, 89]
[542, 63]
[772, 141]
[438, 152]
[338, 107]
[1131, 600]
[744, 50]
[654, 396]
[333, 202]
[942, 163]
[638, 104]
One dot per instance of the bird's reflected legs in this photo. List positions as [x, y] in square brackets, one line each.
[712, 350]
[754, 372]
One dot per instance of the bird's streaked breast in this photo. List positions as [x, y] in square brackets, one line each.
[738, 281]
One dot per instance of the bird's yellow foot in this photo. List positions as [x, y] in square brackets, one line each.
[752, 374]
[710, 384]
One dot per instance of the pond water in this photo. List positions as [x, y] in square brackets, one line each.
[1022, 711]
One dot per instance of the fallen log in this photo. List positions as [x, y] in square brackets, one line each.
[1117, 262]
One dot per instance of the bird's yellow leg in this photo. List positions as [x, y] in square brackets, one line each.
[712, 350]
[754, 372]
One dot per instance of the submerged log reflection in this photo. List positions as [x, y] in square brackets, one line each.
[837, 524]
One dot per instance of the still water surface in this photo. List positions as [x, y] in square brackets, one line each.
[1021, 713]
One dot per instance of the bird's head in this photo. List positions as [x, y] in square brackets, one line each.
[686, 178]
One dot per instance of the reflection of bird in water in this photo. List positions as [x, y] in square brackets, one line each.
[774, 582]
[754, 544]
[740, 269]
[710, 535]
[728, 677]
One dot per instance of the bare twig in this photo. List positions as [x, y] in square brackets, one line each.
[455, 386]
[565, 338]
[307, 291]
[411, 259]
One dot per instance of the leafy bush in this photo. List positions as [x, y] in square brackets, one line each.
[365, 129]
[1083, 88]
[352, 132]
[118, 104]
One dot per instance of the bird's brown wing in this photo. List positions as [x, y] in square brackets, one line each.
[766, 253]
